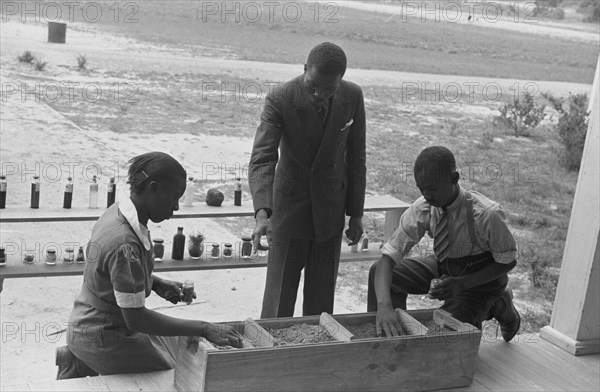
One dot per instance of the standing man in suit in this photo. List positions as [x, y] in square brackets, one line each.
[307, 171]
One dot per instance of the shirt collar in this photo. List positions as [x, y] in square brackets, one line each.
[457, 202]
[128, 210]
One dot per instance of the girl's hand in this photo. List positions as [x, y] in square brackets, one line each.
[169, 289]
[223, 335]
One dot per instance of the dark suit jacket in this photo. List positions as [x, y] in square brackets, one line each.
[309, 175]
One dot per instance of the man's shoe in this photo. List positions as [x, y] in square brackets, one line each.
[509, 318]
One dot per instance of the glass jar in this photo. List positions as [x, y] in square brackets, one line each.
[158, 249]
[29, 256]
[188, 291]
[246, 247]
[69, 256]
[196, 246]
[215, 252]
[2, 256]
[50, 258]
[227, 250]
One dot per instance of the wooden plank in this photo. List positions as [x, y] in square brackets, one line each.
[257, 335]
[442, 317]
[334, 328]
[410, 325]
[201, 210]
[16, 268]
[190, 365]
[152, 381]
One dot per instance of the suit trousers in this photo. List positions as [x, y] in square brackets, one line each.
[287, 257]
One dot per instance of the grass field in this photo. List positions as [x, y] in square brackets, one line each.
[375, 40]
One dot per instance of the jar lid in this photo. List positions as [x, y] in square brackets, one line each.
[228, 245]
[51, 251]
[215, 245]
[246, 238]
[159, 240]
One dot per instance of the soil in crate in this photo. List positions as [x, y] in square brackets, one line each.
[368, 330]
[301, 334]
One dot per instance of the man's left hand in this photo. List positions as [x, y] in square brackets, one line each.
[449, 287]
[355, 230]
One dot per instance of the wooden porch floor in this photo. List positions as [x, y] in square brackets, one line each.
[529, 363]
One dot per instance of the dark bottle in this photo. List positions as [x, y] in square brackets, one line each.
[178, 244]
[112, 192]
[80, 256]
[246, 247]
[35, 192]
[237, 193]
[3, 191]
[68, 193]
[2, 256]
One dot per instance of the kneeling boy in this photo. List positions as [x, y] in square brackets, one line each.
[474, 251]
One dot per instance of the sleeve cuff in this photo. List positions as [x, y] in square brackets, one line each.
[506, 257]
[391, 252]
[268, 210]
[130, 300]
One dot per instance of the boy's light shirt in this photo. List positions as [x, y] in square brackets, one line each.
[491, 231]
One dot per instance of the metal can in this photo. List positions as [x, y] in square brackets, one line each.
[188, 291]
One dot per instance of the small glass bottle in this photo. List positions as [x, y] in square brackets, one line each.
[237, 192]
[2, 256]
[68, 198]
[35, 192]
[178, 245]
[3, 186]
[50, 258]
[94, 193]
[188, 291]
[80, 256]
[227, 250]
[69, 256]
[189, 192]
[111, 193]
[215, 252]
[364, 244]
[158, 249]
[246, 247]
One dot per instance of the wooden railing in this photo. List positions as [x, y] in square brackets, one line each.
[15, 267]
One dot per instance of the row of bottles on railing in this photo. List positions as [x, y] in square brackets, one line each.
[196, 247]
[68, 194]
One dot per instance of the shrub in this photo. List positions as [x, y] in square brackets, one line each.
[26, 57]
[521, 115]
[81, 62]
[40, 65]
[572, 127]
[590, 8]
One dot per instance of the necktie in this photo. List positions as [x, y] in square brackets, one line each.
[323, 109]
[441, 242]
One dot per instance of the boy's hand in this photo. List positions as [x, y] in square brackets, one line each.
[449, 287]
[388, 322]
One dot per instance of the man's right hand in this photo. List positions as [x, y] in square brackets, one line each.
[388, 321]
[262, 227]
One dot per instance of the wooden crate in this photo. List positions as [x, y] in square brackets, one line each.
[412, 362]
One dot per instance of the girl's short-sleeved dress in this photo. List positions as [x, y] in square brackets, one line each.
[118, 274]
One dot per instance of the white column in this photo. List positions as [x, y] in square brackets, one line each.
[575, 323]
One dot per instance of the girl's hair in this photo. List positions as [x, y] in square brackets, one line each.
[153, 166]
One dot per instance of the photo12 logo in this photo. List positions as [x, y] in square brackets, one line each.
[69, 11]
[252, 12]
[53, 92]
